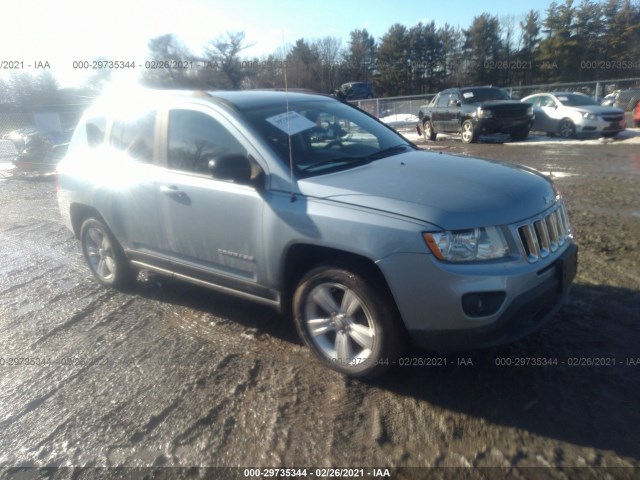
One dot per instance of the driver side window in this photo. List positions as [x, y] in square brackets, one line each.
[195, 138]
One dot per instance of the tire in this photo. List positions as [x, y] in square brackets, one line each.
[519, 135]
[350, 325]
[469, 135]
[636, 123]
[609, 134]
[105, 256]
[427, 131]
[566, 129]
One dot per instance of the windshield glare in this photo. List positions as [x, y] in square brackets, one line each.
[478, 95]
[326, 135]
[573, 100]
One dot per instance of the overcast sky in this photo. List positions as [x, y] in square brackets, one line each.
[65, 31]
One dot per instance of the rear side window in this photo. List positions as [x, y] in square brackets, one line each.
[195, 138]
[135, 136]
[95, 129]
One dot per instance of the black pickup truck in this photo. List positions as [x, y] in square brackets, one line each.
[473, 111]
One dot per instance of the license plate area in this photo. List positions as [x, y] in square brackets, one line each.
[567, 268]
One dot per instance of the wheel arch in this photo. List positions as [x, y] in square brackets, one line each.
[79, 213]
[301, 258]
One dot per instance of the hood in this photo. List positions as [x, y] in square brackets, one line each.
[451, 192]
[598, 110]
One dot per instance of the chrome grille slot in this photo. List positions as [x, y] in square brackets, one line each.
[612, 118]
[542, 235]
[543, 238]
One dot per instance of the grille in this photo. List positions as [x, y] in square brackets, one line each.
[612, 118]
[511, 113]
[543, 235]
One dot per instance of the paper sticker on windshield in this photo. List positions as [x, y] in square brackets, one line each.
[467, 94]
[563, 99]
[291, 122]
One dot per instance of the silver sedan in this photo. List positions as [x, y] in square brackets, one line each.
[574, 114]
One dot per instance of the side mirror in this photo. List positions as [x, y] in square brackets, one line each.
[232, 166]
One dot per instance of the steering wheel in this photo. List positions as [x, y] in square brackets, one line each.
[333, 143]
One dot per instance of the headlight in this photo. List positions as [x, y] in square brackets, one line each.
[590, 116]
[467, 245]
[530, 111]
[484, 113]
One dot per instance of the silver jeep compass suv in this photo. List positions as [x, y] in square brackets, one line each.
[312, 206]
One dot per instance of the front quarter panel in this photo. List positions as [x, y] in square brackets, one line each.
[330, 224]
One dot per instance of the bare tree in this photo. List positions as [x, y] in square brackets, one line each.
[224, 53]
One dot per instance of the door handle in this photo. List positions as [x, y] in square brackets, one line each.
[173, 192]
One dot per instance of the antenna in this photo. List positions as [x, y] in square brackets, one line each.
[286, 97]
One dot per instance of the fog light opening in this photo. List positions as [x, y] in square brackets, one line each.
[482, 304]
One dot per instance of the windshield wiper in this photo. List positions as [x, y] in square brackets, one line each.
[387, 152]
[359, 160]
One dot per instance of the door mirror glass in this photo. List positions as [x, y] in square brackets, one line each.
[235, 167]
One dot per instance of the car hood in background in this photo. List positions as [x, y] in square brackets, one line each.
[452, 192]
[596, 109]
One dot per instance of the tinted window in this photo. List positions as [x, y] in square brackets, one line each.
[477, 95]
[574, 100]
[195, 138]
[135, 136]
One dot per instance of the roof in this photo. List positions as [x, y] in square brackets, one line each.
[247, 99]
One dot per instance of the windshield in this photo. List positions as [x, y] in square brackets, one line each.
[575, 100]
[326, 135]
[478, 95]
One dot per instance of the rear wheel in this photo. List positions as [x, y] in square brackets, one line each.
[469, 135]
[105, 256]
[427, 131]
[566, 129]
[350, 325]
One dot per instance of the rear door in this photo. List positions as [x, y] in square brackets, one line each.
[130, 204]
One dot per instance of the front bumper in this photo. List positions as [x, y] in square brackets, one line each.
[597, 127]
[502, 125]
[433, 315]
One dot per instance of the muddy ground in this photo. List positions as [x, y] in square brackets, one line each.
[175, 375]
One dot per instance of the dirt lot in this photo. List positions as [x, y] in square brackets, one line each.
[175, 375]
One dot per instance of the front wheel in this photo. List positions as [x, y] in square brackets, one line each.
[350, 325]
[469, 135]
[105, 257]
[566, 129]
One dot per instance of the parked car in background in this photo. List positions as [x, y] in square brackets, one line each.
[570, 114]
[355, 91]
[636, 114]
[474, 111]
[624, 99]
[38, 150]
[307, 204]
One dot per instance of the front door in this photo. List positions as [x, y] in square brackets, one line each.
[214, 226]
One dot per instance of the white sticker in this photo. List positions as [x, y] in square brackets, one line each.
[563, 99]
[467, 94]
[291, 122]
